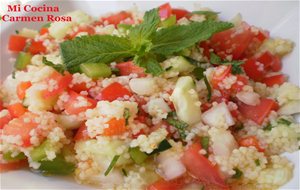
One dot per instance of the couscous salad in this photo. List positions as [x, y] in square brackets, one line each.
[163, 100]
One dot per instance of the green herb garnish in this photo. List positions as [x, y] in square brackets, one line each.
[208, 88]
[126, 115]
[145, 44]
[163, 145]
[58, 166]
[17, 31]
[257, 162]
[284, 122]
[58, 67]
[238, 173]
[268, 127]
[205, 143]
[112, 164]
[124, 172]
[137, 155]
[207, 14]
[179, 125]
[236, 64]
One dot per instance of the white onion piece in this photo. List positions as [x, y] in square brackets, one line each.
[249, 98]
[223, 142]
[170, 166]
[218, 116]
[68, 121]
[292, 107]
[143, 86]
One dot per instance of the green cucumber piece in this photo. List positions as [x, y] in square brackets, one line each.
[39, 153]
[8, 156]
[169, 21]
[23, 60]
[137, 156]
[177, 64]
[185, 98]
[95, 70]
[58, 166]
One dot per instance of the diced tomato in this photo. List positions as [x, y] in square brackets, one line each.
[116, 127]
[87, 29]
[180, 13]
[271, 62]
[241, 81]
[16, 43]
[21, 126]
[61, 84]
[165, 10]
[13, 165]
[220, 73]
[21, 89]
[254, 69]
[232, 42]
[259, 112]
[16, 110]
[5, 120]
[175, 184]
[113, 92]
[206, 48]
[201, 168]
[117, 18]
[82, 133]
[127, 68]
[141, 132]
[44, 31]
[256, 42]
[79, 87]
[1, 105]
[275, 79]
[251, 141]
[37, 47]
[78, 103]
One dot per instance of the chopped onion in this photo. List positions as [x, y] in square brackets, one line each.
[218, 116]
[249, 98]
[223, 142]
[292, 107]
[143, 86]
[170, 166]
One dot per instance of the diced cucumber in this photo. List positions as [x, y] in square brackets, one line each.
[8, 156]
[39, 153]
[58, 166]
[137, 156]
[177, 65]
[23, 60]
[95, 70]
[169, 21]
[185, 99]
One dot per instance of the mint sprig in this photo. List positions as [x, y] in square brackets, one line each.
[145, 43]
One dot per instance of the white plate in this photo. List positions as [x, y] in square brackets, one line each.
[280, 18]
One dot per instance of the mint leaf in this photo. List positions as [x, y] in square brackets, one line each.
[151, 64]
[94, 49]
[214, 58]
[207, 14]
[142, 33]
[176, 38]
[58, 67]
[236, 64]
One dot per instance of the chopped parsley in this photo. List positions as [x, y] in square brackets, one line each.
[124, 172]
[257, 162]
[284, 122]
[179, 125]
[163, 145]
[126, 115]
[236, 64]
[112, 164]
[268, 127]
[238, 174]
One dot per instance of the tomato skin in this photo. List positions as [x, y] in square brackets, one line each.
[13, 165]
[113, 92]
[5, 120]
[237, 41]
[1, 105]
[201, 168]
[271, 62]
[180, 13]
[21, 89]
[62, 83]
[71, 105]
[79, 87]
[44, 31]
[116, 127]
[165, 10]
[241, 81]
[18, 126]
[251, 141]
[82, 133]
[127, 68]
[16, 43]
[86, 29]
[251, 67]
[16, 110]
[36, 47]
[272, 80]
[175, 184]
[220, 73]
[259, 112]
[117, 18]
